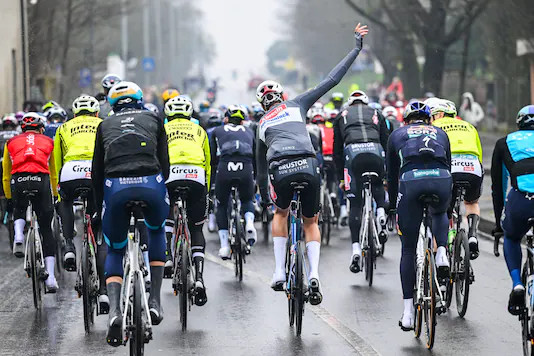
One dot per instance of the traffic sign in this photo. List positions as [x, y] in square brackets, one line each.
[149, 64]
[86, 77]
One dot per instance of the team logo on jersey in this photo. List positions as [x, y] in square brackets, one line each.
[235, 166]
[426, 130]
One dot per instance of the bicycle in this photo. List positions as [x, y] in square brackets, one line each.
[327, 212]
[369, 236]
[461, 275]
[87, 281]
[60, 241]
[296, 268]
[236, 234]
[136, 321]
[8, 222]
[266, 217]
[34, 265]
[428, 299]
[183, 278]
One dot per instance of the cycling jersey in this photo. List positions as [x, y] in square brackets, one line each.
[513, 156]
[4, 137]
[462, 135]
[327, 139]
[233, 142]
[315, 135]
[51, 129]
[188, 144]
[282, 130]
[75, 140]
[28, 153]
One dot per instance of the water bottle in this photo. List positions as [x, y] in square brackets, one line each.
[451, 236]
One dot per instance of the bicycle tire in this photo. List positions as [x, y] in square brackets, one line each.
[299, 287]
[418, 320]
[371, 253]
[86, 290]
[59, 243]
[184, 290]
[430, 303]
[290, 299]
[462, 281]
[528, 347]
[265, 229]
[36, 282]
[240, 248]
[137, 342]
[10, 231]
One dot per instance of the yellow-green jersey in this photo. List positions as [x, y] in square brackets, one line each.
[188, 145]
[462, 135]
[75, 140]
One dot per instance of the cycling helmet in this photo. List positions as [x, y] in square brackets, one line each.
[269, 92]
[56, 113]
[180, 105]
[204, 106]
[32, 121]
[110, 80]
[416, 110]
[236, 112]
[389, 111]
[525, 117]
[86, 104]
[375, 106]
[450, 110]
[314, 113]
[358, 96]
[169, 94]
[19, 115]
[436, 105]
[49, 105]
[215, 118]
[125, 93]
[337, 96]
[152, 107]
[9, 120]
[429, 95]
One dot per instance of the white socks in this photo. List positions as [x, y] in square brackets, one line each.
[313, 249]
[19, 230]
[223, 237]
[408, 316]
[249, 221]
[441, 257]
[50, 263]
[356, 249]
[279, 248]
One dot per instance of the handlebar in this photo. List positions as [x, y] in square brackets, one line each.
[497, 237]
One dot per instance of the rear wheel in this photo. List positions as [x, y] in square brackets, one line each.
[371, 253]
[265, 224]
[290, 300]
[239, 249]
[430, 299]
[56, 230]
[35, 269]
[526, 333]
[184, 290]
[88, 307]
[299, 286]
[137, 342]
[10, 230]
[462, 267]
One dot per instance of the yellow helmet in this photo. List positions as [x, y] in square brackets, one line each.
[169, 94]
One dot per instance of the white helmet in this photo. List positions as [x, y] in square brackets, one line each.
[389, 111]
[358, 96]
[152, 107]
[269, 92]
[10, 119]
[85, 103]
[56, 112]
[179, 105]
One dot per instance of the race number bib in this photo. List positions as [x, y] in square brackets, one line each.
[466, 164]
[187, 172]
[73, 170]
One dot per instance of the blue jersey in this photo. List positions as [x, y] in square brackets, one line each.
[416, 146]
[50, 129]
[231, 142]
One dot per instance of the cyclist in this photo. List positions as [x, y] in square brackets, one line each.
[55, 116]
[28, 164]
[418, 162]
[513, 157]
[189, 156]
[235, 145]
[314, 116]
[336, 101]
[360, 142]
[285, 149]
[9, 129]
[130, 162]
[73, 152]
[390, 114]
[215, 119]
[107, 83]
[466, 164]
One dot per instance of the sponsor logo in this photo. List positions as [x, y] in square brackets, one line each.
[273, 114]
[191, 175]
[234, 128]
[159, 178]
[79, 169]
[426, 173]
[132, 180]
[30, 139]
[182, 170]
[108, 183]
[273, 193]
[127, 120]
[29, 179]
[235, 166]
[416, 131]
[300, 163]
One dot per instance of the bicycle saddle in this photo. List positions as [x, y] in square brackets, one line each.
[530, 222]
[135, 204]
[428, 199]
[182, 192]
[462, 184]
[299, 186]
[30, 192]
[82, 192]
[369, 174]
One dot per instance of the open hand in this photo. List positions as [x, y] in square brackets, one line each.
[361, 29]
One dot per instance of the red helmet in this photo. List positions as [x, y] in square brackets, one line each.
[32, 121]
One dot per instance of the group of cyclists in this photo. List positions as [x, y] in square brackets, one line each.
[125, 149]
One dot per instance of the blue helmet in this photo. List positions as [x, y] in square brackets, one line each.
[525, 116]
[416, 110]
[125, 94]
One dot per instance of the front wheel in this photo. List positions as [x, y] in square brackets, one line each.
[526, 332]
[462, 267]
[137, 342]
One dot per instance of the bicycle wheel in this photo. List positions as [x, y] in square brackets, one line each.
[88, 306]
[290, 300]
[184, 290]
[299, 286]
[34, 268]
[59, 243]
[239, 249]
[429, 305]
[462, 280]
[265, 229]
[10, 230]
[371, 253]
[527, 340]
[137, 341]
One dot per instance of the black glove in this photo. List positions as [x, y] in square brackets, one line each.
[392, 219]
[497, 231]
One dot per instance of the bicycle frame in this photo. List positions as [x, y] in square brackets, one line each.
[182, 236]
[295, 236]
[368, 213]
[34, 228]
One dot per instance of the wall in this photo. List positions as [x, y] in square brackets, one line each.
[10, 28]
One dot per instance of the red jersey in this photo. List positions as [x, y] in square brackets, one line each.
[327, 134]
[30, 152]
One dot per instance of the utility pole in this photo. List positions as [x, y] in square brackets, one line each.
[146, 37]
[124, 35]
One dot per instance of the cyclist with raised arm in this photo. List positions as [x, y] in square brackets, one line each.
[130, 162]
[189, 157]
[466, 164]
[360, 142]
[73, 152]
[513, 157]
[285, 151]
[418, 163]
[236, 146]
[28, 164]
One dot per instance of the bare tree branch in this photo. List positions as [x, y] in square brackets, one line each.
[370, 17]
[464, 22]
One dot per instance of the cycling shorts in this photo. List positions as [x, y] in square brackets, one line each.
[467, 168]
[187, 172]
[287, 171]
[196, 202]
[74, 170]
[361, 158]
